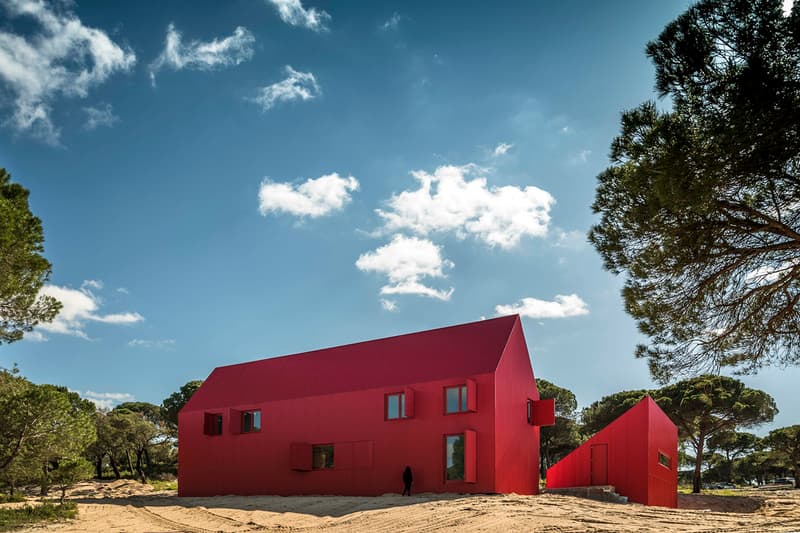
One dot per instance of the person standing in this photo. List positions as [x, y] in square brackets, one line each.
[408, 479]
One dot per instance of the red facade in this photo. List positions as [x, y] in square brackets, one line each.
[458, 402]
[637, 454]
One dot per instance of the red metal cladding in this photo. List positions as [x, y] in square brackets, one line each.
[327, 425]
[544, 412]
[637, 454]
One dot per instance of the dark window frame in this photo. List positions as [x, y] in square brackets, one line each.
[401, 406]
[661, 454]
[243, 417]
[463, 405]
[217, 428]
[332, 466]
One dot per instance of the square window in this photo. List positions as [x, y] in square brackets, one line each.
[395, 406]
[213, 424]
[664, 460]
[322, 457]
[251, 421]
[456, 399]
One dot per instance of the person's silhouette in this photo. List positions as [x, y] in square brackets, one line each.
[408, 479]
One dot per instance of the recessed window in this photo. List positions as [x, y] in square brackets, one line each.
[213, 424]
[530, 411]
[454, 457]
[456, 399]
[395, 406]
[322, 457]
[664, 460]
[251, 421]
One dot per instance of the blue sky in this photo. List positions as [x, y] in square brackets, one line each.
[220, 182]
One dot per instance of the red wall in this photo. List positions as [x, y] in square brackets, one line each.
[260, 463]
[634, 440]
[516, 441]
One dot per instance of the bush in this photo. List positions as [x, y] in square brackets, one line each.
[46, 512]
[16, 497]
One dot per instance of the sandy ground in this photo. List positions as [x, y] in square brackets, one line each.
[131, 507]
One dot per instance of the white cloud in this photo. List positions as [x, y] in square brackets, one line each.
[107, 400]
[572, 239]
[293, 13]
[92, 284]
[312, 198]
[100, 116]
[580, 158]
[159, 344]
[80, 306]
[502, 149]
[199, 55]
[61, 58]
[563, 306]
[297, 86]
[388, 305]
[767, 274]
[447, 201]
[406, 261]
[392, 23]
[35, 336]
[787, 7]
[123, 290]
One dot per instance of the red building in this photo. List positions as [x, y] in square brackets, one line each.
[458, 404]
[637, 454]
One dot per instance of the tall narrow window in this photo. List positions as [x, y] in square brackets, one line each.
[251, 421]
[395, 406]
[322, 457]
[456, 399]
[454, 457]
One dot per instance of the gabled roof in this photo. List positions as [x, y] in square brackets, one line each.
[451, 352]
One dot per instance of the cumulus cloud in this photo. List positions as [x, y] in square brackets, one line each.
[203, 55]
[107, 400]
[447, 201]
[297, 86]
[100, 116]
[79, 307]
[572, 239]
[293, 13]
[159, 344]
[562, 306]
[406, 262]
[502, 149]
[580, 158]
[61, 57]
[312, 198]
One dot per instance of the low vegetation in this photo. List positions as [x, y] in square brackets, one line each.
[12, 518]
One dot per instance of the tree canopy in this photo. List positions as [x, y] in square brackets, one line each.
[604, 411]
[558, 440]
[786, 441]
[704, 406]
[175, 401]
[701, 205]
[23, 268]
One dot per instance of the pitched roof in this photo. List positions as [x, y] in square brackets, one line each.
[455, 351]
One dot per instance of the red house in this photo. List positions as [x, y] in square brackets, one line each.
[637, 453]
[458, 404]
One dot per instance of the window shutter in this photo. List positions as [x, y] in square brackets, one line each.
[235, 417]
[472, 395]
[544, 412]
[409, 394]
[470, 456]
[300, 456]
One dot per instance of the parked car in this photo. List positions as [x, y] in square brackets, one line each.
[784, 481]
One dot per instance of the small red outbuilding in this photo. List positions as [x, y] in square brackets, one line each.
[637, 454]
[458, 404]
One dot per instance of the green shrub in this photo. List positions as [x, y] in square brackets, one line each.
[31, 514]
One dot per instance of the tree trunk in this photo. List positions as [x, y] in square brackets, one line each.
[130, 464]
[797, 476]
[98, 467]
[139, 468]
[114, 466]
[63, 494]
[698, 465]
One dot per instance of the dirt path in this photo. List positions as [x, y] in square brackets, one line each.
[127, 509]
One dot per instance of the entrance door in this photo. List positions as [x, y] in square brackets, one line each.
[599, 464]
